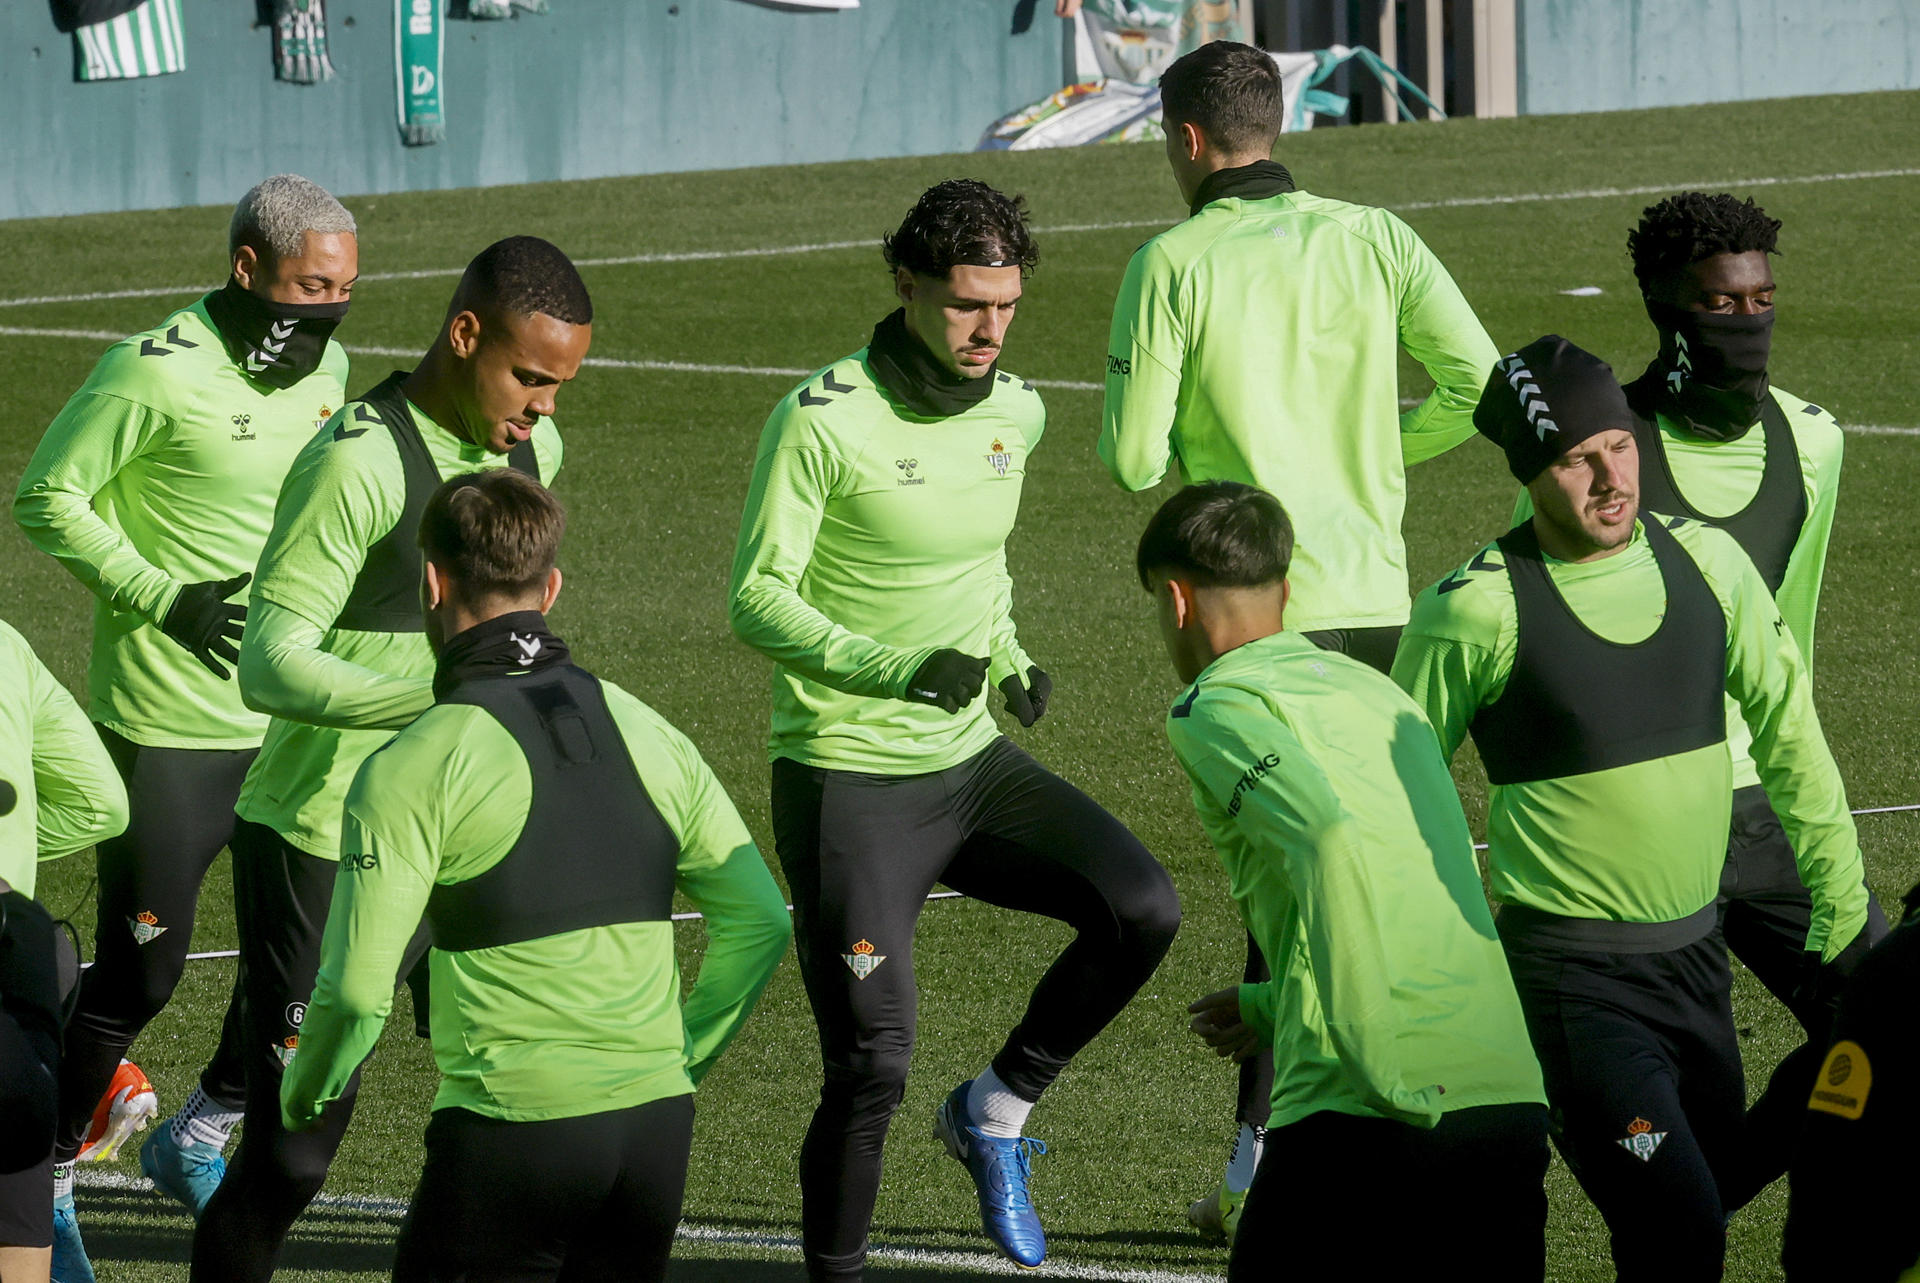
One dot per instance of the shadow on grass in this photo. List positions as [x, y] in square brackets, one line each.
[142, 1228]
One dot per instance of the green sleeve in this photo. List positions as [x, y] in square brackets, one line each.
[723, 874]
[1146, 350]
[386, 874]
[1450, 678]
[1007, 659]
[342, 496]
[285, 672]
[785, 505]
[78, 795]
[95, 436]
[1439, 330]
[1252, 765]
[1799, 595]
[1258, 1004]
[1767, 677]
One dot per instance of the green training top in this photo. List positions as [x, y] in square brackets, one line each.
[64, 791]
[1721, 478]
[162, 471]
[873, 537]
[1258, 341]
[336, 695]
[1643, 842]
[1323, 790]
[582, 1022]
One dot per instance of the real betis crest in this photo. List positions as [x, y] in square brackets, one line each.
[999, 457]
[863, 960]
[146, 927]
[285, 1050]
[1641, 1140]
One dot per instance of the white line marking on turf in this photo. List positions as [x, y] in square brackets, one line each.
[598, 362]
[776, 251]
[88, 1176]
[768, 371]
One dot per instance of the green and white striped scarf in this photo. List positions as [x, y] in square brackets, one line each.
[416, 69]
[300, 42]
[146, 41]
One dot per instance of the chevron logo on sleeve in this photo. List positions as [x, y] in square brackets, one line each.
[1532, 400]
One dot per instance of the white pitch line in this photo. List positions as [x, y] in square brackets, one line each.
[817, 247]
[597, 362]
[88, 1176]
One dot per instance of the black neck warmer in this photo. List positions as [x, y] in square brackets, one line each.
[278, 344]
[912, 375]
[1711, 373]
[1261, 179]
[516, 642]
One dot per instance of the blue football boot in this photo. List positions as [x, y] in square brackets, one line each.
[999, 1170]
[70, 1263]
[186, 1173]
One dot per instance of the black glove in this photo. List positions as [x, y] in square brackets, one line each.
[1028, 702]
[208, 625]
[948, 680]
[1822, 983]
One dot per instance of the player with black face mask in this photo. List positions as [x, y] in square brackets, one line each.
[1719, 443]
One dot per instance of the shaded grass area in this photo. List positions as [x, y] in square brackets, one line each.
[658, 466]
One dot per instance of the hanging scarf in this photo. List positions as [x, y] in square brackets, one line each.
[416, 69]
[913, 376]
[1711, 371]
[300, 42]
[143, 39]
[516, 642]
[1261, 179]
[277, 343]
[482, 10]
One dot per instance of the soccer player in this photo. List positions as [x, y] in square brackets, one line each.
[59, 792]
[155, 488]
[1719, 443]
[1259, 341]
[540, 821]
[336, 653]
[871, 568]
[1402, 1058]
[1590, 651]
[1854, 1184]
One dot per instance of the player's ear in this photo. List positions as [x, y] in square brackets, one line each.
[463, 334]
[433, 589]
[1180, 592]
[246, 266]
[903, 284]
[551, 592]
[1286, 595]
[1192, 140]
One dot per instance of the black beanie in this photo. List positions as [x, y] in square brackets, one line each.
[1545, 399]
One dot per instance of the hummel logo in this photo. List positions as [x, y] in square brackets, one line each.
[529, 646]
[1681, 371]
[906, 467]
[1532, 399]
[272, 347]
[242, 422]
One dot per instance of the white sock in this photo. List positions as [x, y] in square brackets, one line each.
[996, 1110]
[203, 1121]
[1247, 1147]
[62, 1181]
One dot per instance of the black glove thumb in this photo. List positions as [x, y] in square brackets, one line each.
[1028, 702]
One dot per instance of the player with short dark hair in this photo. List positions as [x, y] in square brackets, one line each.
[1259, 341]
[1403, 1058]
[59, 793]
[1590, 651]
[1718, 441]
[337, 655]
[871, 567]
[155, 487]
[539, 821]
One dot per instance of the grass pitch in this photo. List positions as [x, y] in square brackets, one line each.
[1519, 210]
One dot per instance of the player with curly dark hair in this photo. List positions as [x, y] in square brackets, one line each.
[871, 568]
[1702, 261]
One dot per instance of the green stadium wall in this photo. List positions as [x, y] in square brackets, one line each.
[1600, 55]
[592, 89]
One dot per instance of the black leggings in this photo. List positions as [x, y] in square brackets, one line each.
[30, 1002]
[1339, 1196]
[281, 898]
[1643, 1073]
[574, 1199]
[861, 852]
[181, 804]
